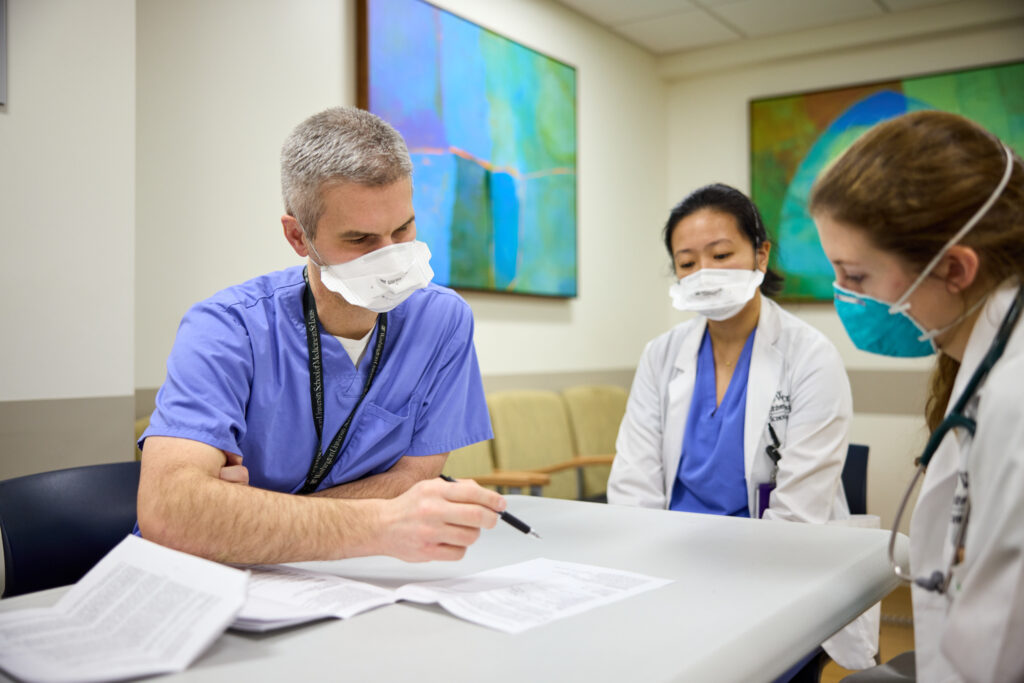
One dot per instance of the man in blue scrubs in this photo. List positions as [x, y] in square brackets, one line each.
[307, 413]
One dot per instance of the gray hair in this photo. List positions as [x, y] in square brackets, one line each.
[342, 144]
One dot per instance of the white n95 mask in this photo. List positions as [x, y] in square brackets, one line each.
[383, 278]
[716, 293]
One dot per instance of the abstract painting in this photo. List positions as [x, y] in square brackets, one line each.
[491, 128]
[792, 138]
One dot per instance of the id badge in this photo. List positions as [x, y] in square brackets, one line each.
[761, 497]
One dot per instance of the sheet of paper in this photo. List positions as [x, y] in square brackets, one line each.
[142, 610]
[531, 593]
[283, 596]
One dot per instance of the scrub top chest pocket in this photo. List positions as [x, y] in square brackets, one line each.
[374, 430]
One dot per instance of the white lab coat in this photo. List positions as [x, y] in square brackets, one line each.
[976, 633]
[798, 382]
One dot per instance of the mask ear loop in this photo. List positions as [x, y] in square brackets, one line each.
[902, 304]
[319, 261]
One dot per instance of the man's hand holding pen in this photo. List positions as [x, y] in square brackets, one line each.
[507, 517]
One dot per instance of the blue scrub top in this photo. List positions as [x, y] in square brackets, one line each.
[238, 380]
[711, 477]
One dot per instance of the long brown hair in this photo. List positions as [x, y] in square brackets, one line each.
[910, 184]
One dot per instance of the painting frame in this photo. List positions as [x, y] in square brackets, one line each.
[794, 135]
[499, 222]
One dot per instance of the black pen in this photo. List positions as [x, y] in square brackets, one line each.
[773, 448]
[508, 517]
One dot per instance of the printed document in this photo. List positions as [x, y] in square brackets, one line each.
[531, 593]
[283, 596]
[510, 599]
[142, 610]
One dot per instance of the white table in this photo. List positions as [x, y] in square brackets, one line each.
[749, 598]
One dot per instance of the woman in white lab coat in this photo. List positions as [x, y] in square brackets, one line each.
[923, 220]
[718, 397]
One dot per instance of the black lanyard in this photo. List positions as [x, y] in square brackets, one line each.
[323, 461]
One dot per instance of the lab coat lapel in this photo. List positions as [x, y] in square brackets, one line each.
[762, 384]
[680, 394]
[930, 533]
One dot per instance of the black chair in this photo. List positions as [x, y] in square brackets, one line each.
[57, 525]
[855, 478]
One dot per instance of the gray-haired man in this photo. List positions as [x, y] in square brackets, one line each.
[347, 381]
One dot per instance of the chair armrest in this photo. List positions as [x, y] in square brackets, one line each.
[512, 479]
[579, 461]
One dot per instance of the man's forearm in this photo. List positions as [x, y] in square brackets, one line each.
[184, 505]
[231, 523]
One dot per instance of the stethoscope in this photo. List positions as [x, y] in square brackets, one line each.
[957, 417]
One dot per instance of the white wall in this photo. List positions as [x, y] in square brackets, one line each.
[708, 141]
[67, 200]
[220, 86]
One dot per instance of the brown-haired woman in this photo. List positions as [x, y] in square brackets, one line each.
[923, 221]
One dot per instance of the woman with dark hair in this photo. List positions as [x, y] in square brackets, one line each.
[744, 409]
[923, 221]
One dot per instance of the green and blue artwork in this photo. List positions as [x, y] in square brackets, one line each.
[794, 138]
[491, 128]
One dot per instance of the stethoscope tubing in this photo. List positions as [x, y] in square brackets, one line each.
[896, 568]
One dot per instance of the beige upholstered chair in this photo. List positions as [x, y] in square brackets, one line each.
[476, 462]
[532, 433]
[595, 413]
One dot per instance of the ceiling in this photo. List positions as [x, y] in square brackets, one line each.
[667, 26]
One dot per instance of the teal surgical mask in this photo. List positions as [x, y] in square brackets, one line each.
[888, 329]
[872, 326]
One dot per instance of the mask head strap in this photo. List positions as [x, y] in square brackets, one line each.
[901, 304]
